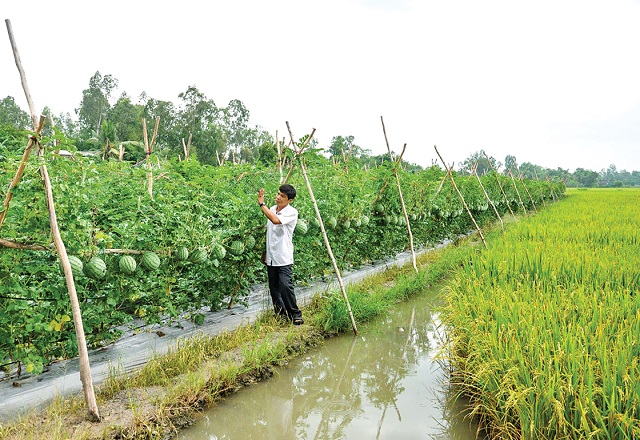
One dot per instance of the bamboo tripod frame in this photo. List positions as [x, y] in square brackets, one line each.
[83, 355]
[303, 168]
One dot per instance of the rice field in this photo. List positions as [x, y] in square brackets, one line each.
[545, 323]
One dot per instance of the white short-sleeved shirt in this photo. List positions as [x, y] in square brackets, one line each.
[280, 237]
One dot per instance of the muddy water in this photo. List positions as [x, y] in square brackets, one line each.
[385, 383]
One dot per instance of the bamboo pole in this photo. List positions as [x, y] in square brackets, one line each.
[83, 355]
[297, 152]
[462, 198]
[32, 247]
[20, 171]
[475, 171]
[303, 168]
[553, 196]
[518, 192]
[404, 207]
[535, 173]
[506, 199]
[521, 178]
[386, 183]
[148, 149]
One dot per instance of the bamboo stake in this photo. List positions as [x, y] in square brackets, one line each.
[553, 196]
[443, 179]
[83, 355]
[518, 192]
[148, 148]
[475, 171]
[324, 233]
[385, 184]
[404, 207]
[298, 152]
[31, 247]
[535, 173]
[23, 162]
[462, 198]
[528, 193]
[279, 156]
[506, 199]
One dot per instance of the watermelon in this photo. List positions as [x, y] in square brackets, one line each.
[250, 242]
[364, 220]
[127, 264]
[301, 227]
[379, 208]
[332, 223]
[346, 224]
[199, 256]
[150, 261]
[76, 265]
[357, 223]
[95, 268]
[236, 248]
[219, 251]
[182, 254]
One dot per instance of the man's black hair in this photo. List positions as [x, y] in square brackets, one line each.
[288, 190]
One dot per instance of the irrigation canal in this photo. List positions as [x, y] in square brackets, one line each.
[139, 343]
[385, 383]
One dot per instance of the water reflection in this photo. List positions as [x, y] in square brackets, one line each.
[382, 384]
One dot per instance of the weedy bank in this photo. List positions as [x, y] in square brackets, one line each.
[544, 324]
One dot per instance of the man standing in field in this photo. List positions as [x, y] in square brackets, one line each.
[281, 221]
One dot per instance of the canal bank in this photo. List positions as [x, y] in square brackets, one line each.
[34, 392]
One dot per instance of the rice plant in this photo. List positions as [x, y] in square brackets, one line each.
[545, 323]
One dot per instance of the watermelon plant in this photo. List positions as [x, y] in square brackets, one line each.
[104, 205]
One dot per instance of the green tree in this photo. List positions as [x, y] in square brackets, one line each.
[95, 104]
[585, 178]
[478, 160]
[510, 164]
[11, 114]
[127, 119]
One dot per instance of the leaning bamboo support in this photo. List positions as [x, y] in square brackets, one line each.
[303, 168]
[404, 206]
[23, 162]
[148, 149]
[83, 354]
[13, 245]
[475, 172]
[506, 199]
[385, 184]
[553, 196]
[533, 203]
[297, 152]
[540, 189]
[464, 203]
[513, 180]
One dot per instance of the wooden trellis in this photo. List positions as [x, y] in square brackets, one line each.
[34, 140]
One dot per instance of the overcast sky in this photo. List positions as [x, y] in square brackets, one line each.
[552, 82]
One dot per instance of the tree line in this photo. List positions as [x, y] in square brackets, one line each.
[213, 135]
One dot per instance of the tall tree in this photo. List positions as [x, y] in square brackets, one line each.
[95, 104]
[479, 160]
[127, 119]
[11, 114]
[511, 164]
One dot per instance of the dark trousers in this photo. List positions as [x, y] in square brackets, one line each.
[281, 289]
